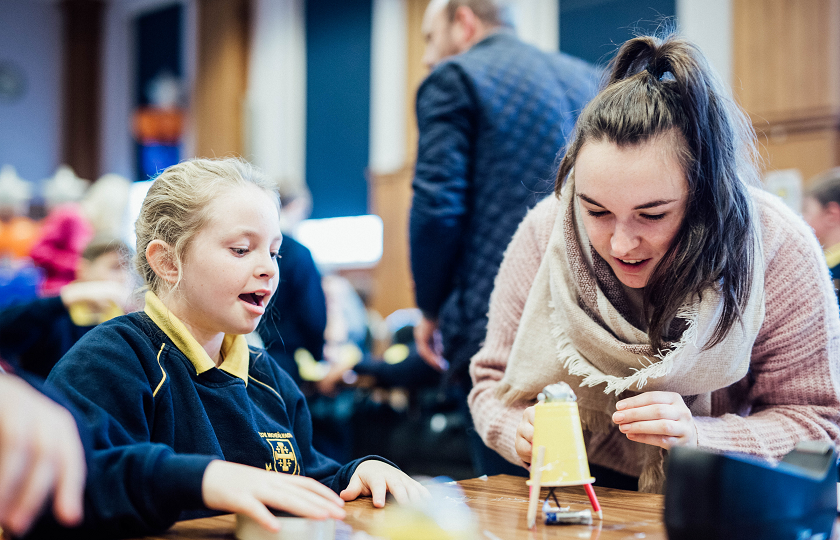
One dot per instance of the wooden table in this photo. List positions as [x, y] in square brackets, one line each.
[499, 504]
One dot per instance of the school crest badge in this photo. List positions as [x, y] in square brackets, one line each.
[282, 453]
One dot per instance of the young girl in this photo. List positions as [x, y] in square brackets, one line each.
[187, 417]
[684, 306]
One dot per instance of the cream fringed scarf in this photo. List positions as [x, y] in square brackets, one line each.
[570, 331]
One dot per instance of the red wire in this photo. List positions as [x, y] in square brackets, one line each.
[592, 498]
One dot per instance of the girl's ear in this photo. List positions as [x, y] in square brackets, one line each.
[161, 258]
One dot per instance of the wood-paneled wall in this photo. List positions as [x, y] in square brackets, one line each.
[82, 44]
[787, 77]
[221, 77]
[390, 194]
[390, 199]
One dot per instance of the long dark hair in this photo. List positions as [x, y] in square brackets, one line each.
[655, 86]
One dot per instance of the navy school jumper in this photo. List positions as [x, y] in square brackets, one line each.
[157, 424]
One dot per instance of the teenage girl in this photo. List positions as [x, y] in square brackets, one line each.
[187, 417]
[685, 306]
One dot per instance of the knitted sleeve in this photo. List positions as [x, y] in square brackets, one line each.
[791, 392]
[495, 421]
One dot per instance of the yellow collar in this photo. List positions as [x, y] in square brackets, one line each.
[82, 315]
[235, 353]
[832, 255]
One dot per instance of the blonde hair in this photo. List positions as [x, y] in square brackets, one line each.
[175, 208]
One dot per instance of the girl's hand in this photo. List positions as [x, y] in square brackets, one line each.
[656, 418]
[525, 435]
[41, 458]
[232, 487]
[376, 478]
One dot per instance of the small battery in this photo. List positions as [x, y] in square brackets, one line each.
[582, 517]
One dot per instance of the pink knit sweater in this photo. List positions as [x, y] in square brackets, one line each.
[791, 392]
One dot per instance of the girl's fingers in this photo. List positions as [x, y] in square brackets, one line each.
[70, 482]
[353, 489]
[296, 499]
[13, 465]
[304, 503]
[29, 500]
[415, 495]
[232, 487]
[419, 492]
[399, 492]
[257, 511]
[378, 490]
[316, 487]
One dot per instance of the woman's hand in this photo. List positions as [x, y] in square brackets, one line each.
[656, 418]
[525, 435]
[376, 478]
[232, 487]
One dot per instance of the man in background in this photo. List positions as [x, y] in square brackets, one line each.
[493, 114]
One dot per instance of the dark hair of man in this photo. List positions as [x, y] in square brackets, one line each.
[657, 86]
[487, 11]
[825, 187]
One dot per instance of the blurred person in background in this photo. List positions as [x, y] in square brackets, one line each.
[35, 335]
[64, 232]
[17, 231]
[821, 209]
[296, 316]
[19, 278]
[492, 115]
[77, 214]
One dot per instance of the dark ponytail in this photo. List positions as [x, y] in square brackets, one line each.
[654, 87]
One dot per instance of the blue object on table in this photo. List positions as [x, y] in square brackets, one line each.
[711, 495]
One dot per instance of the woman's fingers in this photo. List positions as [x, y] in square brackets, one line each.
[658, 418]
[654, 440]
[650, 412]
[664, 428]
[648, 398]
[525, 435]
